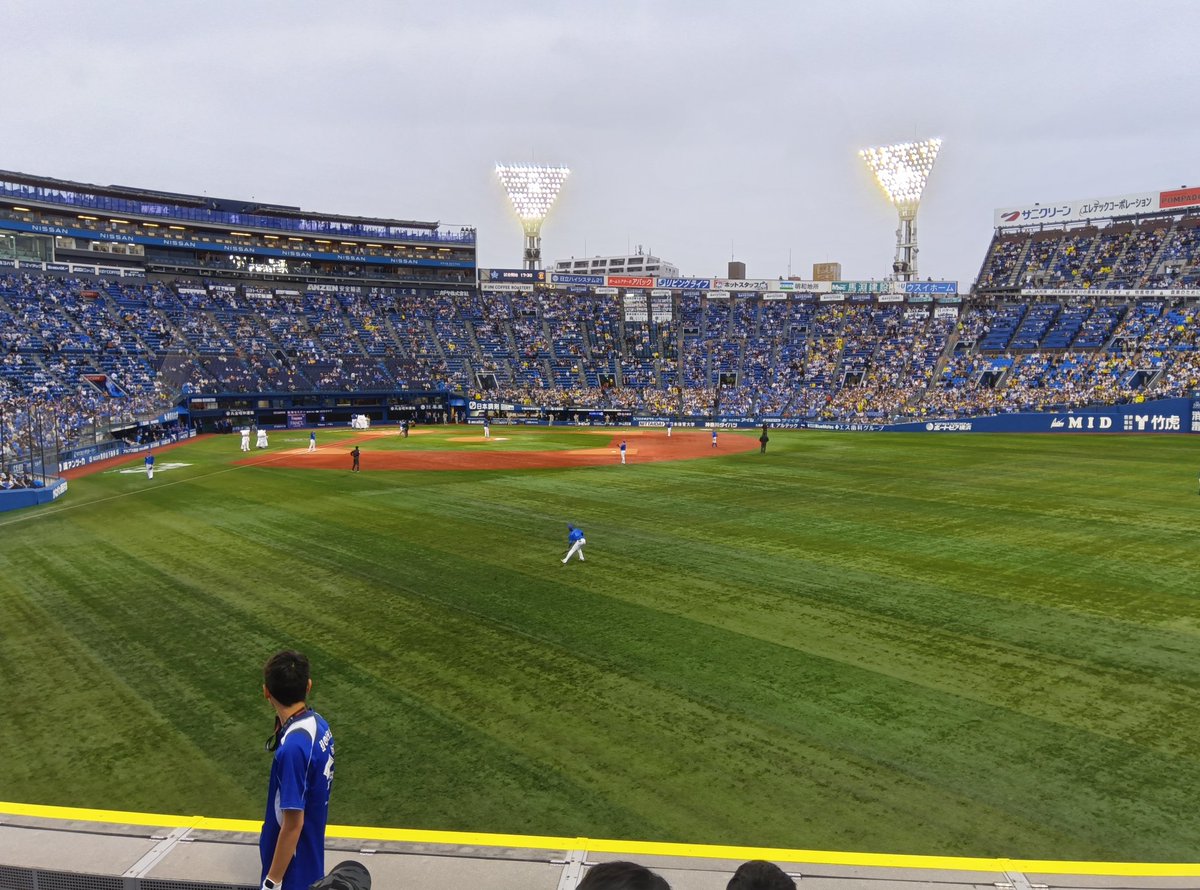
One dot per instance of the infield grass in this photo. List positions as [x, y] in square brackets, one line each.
[972, 645]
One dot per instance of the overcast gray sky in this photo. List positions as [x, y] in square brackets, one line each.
[701, 130]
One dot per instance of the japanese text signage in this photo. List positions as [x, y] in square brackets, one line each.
[1058, 212]
[861, 287]
[629, 281]
[533, 275]
[560, 278]
[737, 284]
[929, 287]
[684, 283]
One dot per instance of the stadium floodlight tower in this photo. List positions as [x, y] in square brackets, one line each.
[533, 189]
[902, 171]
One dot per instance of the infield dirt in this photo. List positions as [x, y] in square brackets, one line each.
[643, 447]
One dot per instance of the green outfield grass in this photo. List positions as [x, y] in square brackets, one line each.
[975, 645]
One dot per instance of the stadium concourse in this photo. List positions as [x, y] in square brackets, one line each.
[75, 849]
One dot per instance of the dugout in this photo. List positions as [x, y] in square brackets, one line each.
[225, 412]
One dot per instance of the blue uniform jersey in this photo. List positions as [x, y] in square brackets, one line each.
[149, 460]
[574, 535]
[301, 778]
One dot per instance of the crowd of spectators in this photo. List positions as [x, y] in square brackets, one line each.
[1159, 253]
[103, 352]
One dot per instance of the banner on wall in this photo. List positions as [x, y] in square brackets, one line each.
[1059, 212]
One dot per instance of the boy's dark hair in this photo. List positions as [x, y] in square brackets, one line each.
[622, 876]
[758, 874]
[286, 676]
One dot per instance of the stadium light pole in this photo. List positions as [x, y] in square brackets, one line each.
[532, 189]
[902, 171]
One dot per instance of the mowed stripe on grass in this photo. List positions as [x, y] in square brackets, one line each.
[964, 645]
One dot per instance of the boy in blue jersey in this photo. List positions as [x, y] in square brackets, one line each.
[292, 843]
[576, 539]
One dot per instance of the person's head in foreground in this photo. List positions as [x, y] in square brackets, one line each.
[622, 876]
[286, 677]
[758, 874]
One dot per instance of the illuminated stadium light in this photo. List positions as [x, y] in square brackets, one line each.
[902, 171]
[532, 189]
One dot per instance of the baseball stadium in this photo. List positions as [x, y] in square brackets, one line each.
[884, 580]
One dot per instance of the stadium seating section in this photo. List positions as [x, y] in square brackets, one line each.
[104, 351]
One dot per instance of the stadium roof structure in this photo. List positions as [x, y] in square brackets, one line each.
[201, 202]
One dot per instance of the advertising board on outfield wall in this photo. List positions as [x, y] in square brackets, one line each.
[1165, 416]
[1057, 212]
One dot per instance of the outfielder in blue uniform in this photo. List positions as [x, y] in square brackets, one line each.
[149, 465]
[622, 451]
[292, 843]
[576, 539]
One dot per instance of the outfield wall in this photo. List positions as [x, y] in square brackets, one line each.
[81, 457]
[55, 487]
[1163, 416]
[18, 498]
